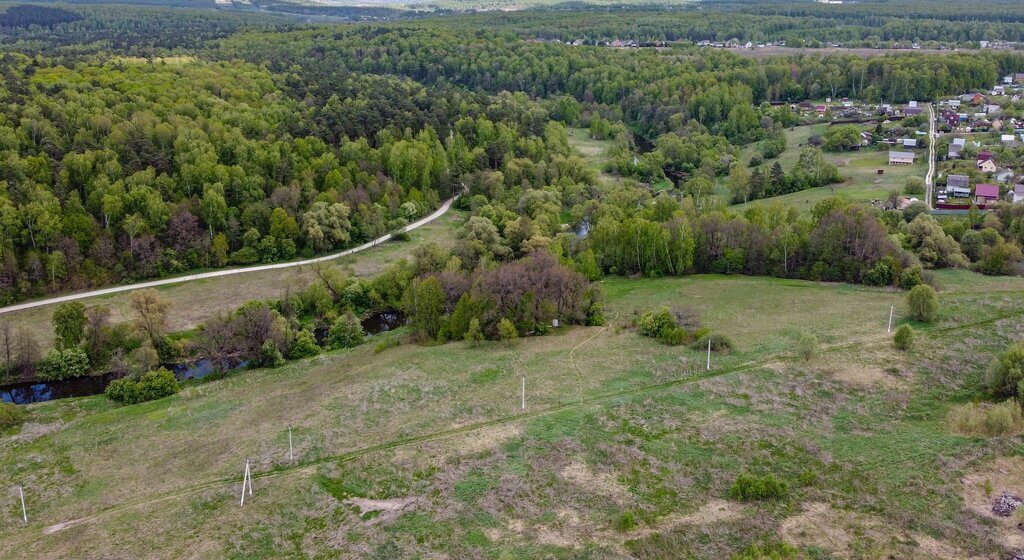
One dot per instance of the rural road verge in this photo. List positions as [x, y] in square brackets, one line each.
[229, 271]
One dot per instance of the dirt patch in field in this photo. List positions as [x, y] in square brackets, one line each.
[846, 534]
[386, 510]
[487, 438]
[61, 526]
[983, 487]
[604, 484]
[715, 511]
[862, 375]
[572, 531]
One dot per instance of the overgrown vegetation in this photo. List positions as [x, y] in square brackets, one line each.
[151, 385]
[748, 487]
[11, 415]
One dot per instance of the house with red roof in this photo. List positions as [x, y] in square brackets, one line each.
[985, 193]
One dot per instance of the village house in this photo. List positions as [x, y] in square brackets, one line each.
[901, 158]
[913, 111]
[1004, 176]
[985, 193]
[909, 142]
[955, 151]
[986, 166]
[1018, 193]
[958, 186]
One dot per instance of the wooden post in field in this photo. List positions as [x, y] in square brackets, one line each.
[524, 392]
[709, 353]
[24, 514]
[291, 457]
[891, 309]
[246, 478]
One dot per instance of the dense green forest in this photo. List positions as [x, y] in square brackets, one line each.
[257, 145]
[868, 24]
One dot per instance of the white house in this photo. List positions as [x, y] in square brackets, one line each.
[901, 158]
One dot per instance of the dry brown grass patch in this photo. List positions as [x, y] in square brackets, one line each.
[988, 482]
[846, 534]
[605, 484]
[862, 375]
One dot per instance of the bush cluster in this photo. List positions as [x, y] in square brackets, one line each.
[63, 364]
[152, 385]
[984, 419]
[11, 415]
[752, 487]
[904, 337]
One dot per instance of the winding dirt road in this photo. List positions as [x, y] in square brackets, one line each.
[929, 179]
[229, 271]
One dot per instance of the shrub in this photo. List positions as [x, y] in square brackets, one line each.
[923, 303]
[751, 487]
[912, 276]
[914, 185]
[904, 337]
[807, 346]
[507, 331]
[654, 324]
[11, 415]
[63, 364]
[346, 332]
[385, 344]
[881, 275]
[152, 385]
[270, 354]
[304, 346]
[719, 342]
[1005, 374]
[674, 336]
[984, 419]
[474, 334]
[626, 521]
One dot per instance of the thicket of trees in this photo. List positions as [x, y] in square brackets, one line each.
[869, 24]
[26, 15]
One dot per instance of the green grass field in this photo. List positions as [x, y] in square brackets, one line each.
[861, 181]
[627, 448]
[192, 303]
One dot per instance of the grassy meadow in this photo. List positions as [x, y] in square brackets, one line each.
[627, 448]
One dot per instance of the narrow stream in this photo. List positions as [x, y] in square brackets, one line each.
[40, 391]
